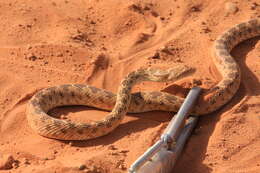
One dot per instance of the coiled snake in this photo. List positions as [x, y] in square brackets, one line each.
[124, 101]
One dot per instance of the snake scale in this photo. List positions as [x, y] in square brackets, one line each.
[124, 101]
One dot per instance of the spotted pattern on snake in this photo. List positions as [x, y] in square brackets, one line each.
[124, 101]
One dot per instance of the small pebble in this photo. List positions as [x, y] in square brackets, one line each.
[165, 49]
[162, 18]
[154, 13]
[196, 82]
[6, 162]
[114, 153]
[195, 9]
[60, 55]
[124, 151]
[15, 165]
[231, 8]
[155, 56]
[178, 60]
[224, 157]
[31, 57]
[29, 47]
[26, 161]
[254, 5]
[112, 147]
[82, 167]
[122, 166]
[210, 164]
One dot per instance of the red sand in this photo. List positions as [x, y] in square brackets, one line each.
[47, 43]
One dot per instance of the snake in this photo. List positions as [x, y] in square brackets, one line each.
[124, 101]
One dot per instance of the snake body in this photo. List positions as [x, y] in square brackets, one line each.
[79, 94]
[124, 101]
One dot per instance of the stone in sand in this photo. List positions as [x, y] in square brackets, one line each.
[6, 162]
[231, 8]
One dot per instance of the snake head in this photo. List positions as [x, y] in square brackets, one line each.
[171, 74]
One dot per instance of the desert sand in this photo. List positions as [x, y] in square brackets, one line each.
[98, 42]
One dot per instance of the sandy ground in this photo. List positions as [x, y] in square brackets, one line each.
[97, 42]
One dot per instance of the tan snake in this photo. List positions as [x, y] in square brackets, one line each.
[124, 101]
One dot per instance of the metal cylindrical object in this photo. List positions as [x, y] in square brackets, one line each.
[162, 149]
[164, 160]
[173, 129]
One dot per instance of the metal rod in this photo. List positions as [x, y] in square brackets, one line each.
[174, 128]
[164, 160]
[172, 131]
[186, 132]
[146, 156]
